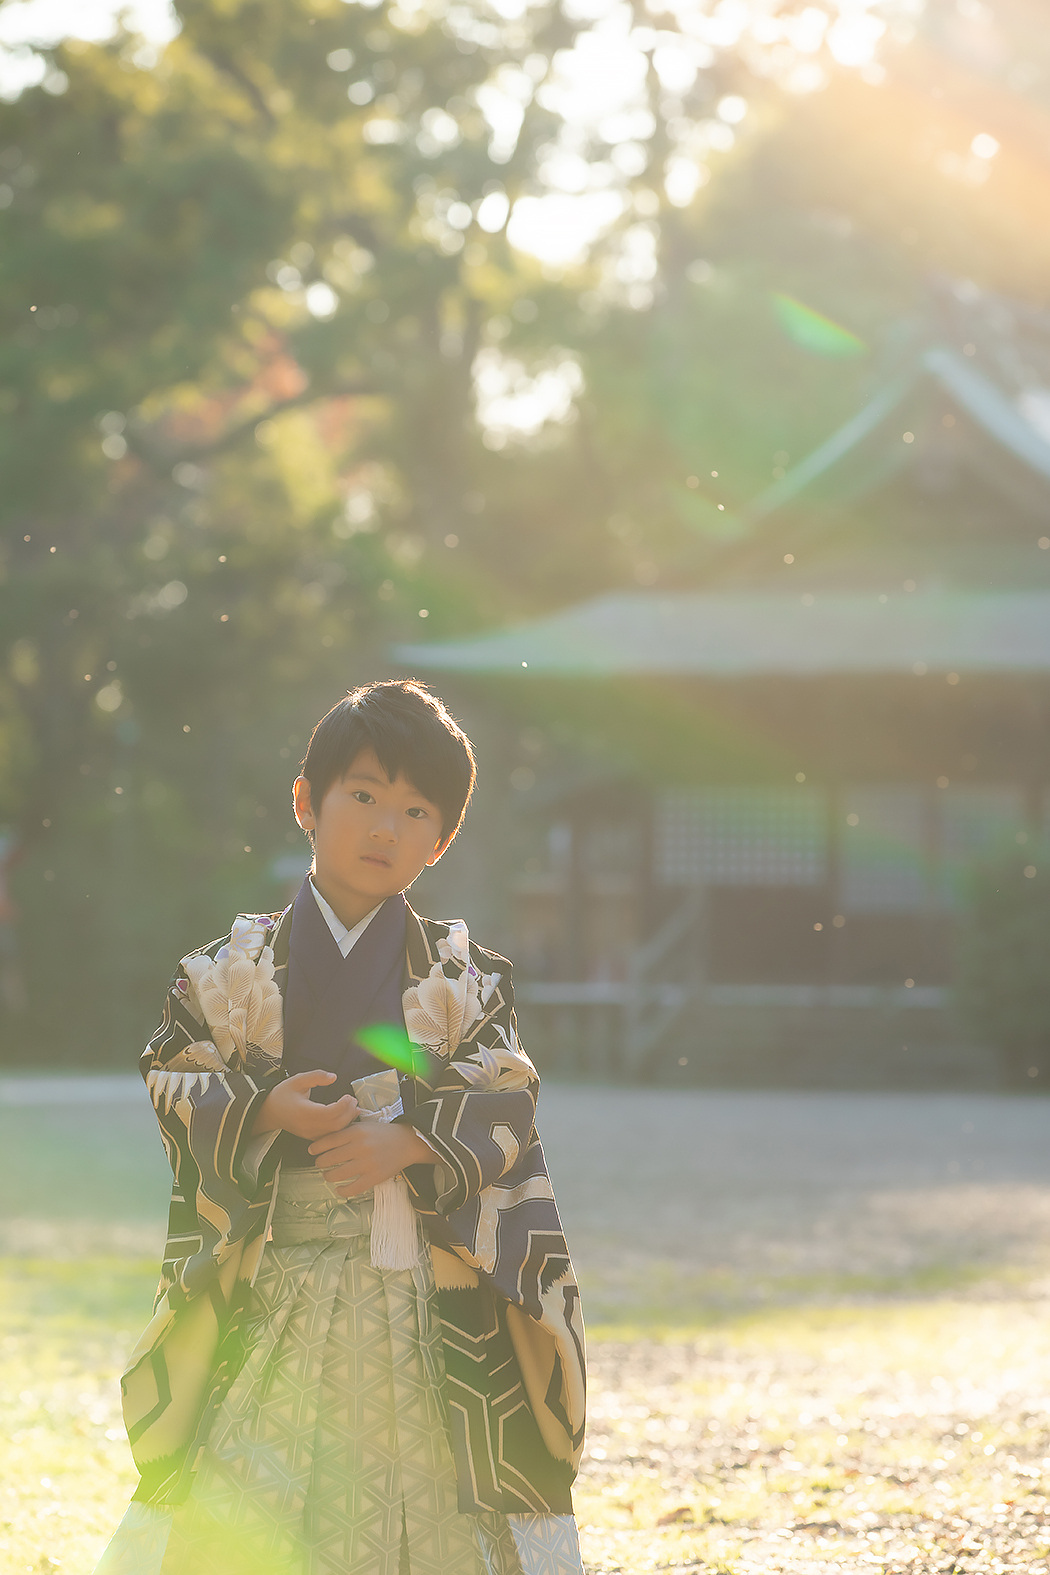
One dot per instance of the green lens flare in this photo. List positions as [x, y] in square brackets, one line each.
[392, 1045]
[814, 332]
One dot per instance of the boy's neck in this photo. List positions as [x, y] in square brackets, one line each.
[349, 907]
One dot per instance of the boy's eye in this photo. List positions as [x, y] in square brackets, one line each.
[362, 796]
[416, 812]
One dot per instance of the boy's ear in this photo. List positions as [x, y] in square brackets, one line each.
[303, 804]
[441, 848]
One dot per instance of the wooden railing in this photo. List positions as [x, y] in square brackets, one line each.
[664, 981]
[626, 1026]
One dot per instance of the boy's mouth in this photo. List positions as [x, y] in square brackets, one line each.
[376, 858]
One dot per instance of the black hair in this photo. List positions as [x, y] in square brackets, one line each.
[411, 733]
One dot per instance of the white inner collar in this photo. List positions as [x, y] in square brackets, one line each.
[345, 939]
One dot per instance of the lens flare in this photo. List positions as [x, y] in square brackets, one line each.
[391, 1044]
[814, 332]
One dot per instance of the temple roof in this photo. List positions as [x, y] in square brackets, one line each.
[733, 635]
[986, 357]
[963, 402]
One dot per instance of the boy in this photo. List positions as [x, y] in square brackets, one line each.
[366, 1357]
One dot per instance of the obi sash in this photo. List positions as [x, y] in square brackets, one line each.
[329, 997]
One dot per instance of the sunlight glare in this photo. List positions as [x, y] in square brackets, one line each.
[675, 65]
[602, 75]
[321, 300]
[984, 146]
[805, 32]
[513, 402]
[852, 39]
[493, 212]
[732, 109]
[47, 21]
[566, 171]
[683, 178]
[561, 229]
[28, 23]
[503, 103]
[727, 23]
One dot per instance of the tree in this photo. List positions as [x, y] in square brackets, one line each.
[239, 321]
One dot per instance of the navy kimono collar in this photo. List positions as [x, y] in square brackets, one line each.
[329, 997]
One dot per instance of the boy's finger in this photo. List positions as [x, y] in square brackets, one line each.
[329, 1140]
[340, 1175]
[315, 1079]
[325, 1130]
[334, 1156]
[339, 1111]
[341, 1114]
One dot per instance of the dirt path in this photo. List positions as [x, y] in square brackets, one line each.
[872, 1387]
[725, 1198]
[912, 1438]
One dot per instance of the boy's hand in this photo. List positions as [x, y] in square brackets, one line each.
[355, 1160]
[289, 1108]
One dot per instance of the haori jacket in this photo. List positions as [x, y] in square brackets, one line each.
[507, 1294]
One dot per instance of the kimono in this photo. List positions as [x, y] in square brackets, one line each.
[280, 1304]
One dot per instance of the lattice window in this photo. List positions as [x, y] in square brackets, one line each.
[744, 836]
[912, 847]
[885, 850]
[908, 850]
[976, 824]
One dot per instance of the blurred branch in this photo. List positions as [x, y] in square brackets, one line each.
[222, 61]
[360, 228]
[162, 458]
[473, 330]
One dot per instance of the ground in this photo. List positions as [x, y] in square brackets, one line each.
[819, 1331]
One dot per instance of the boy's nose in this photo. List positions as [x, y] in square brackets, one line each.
[384, 831]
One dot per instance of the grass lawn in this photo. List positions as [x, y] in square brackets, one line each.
[65, 1468]
[82, 1201]
[830, 1413]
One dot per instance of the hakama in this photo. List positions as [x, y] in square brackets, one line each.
[331, 1453]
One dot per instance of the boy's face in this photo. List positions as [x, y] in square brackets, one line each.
[372, 837]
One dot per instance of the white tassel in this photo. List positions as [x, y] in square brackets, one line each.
[395, 1240]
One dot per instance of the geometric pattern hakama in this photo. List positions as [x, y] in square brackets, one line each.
[331, 1452]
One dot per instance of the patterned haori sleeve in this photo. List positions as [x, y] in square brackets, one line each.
[477, 1107]
[493, 1214]
[209, 1066]
[206, 1091]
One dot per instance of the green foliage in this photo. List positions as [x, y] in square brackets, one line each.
[233, 356]
[1005, 981]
